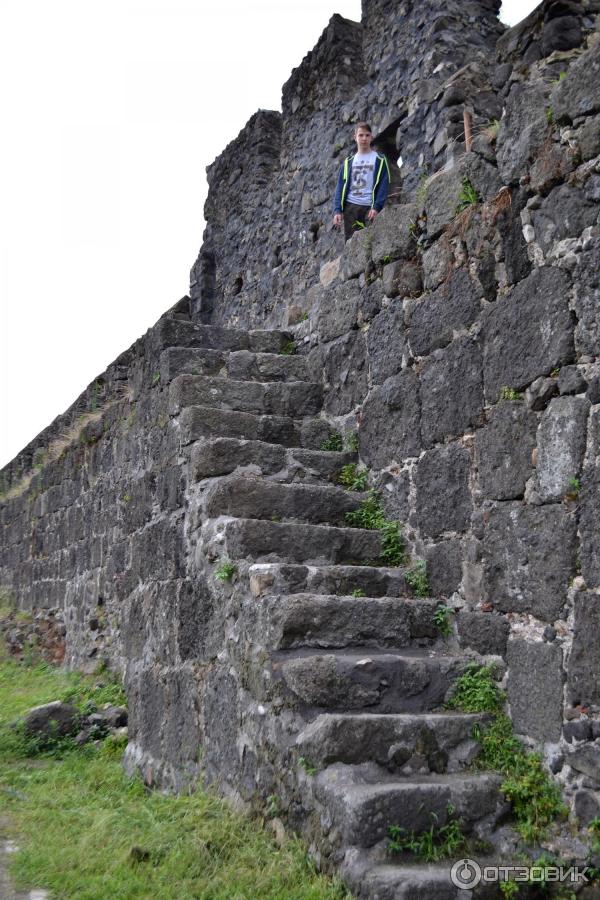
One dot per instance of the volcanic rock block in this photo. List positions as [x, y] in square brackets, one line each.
[443, 497]
[503, 449]
[535, 689]
[528, 333]
[584, 662]
[435, 317]
[561, 444]
[529, 558]
[451, 390]
[390, 427]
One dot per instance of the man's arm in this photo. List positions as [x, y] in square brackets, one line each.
[337, 200]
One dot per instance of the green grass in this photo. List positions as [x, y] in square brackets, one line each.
[86, 831]
[535, 799]
[370, 515]
[226, 570]
[468, 195]
[352, 477]
[507, 393]
[416, 579]
[442, 619]
[334, 442]
[436, 843]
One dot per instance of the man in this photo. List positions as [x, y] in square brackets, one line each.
[362, 185]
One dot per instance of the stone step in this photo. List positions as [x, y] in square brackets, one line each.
[176, 361]
[313, 620]
[292, 398]
[377, 680]
[364, 801]
[256, 498]
[175, 333]
[241, 365]
[264, 541]
[222, 456]
[247, 366]
[197, 422]
[281, 578]
[438, 742]
[419, 881]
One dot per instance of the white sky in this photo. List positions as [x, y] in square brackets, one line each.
[111, 112]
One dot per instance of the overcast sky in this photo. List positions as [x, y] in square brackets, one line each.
[111, 112]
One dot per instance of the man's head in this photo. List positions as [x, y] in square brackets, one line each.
[363, 137]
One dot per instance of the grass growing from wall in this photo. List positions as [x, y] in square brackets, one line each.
[535, 799]
[86, 831]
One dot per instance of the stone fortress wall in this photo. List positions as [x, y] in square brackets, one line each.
[460, 344]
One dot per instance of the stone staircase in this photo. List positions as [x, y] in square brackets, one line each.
[328, 632]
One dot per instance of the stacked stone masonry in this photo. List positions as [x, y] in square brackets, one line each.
[185, 518]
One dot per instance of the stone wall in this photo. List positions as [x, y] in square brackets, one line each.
[459, 336]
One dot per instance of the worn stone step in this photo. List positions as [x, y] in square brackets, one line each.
[264, 541]
[246, 366]
[316, 620]
[240, 365]
[377, 680]
[256, 498]
[284, 578]
[176, 361]
[222, 456]
[175, 333]
[197, 422]
[438, 742]
[292, 398]
[417, 881]
[364, 801]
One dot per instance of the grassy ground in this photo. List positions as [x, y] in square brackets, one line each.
[87, 832]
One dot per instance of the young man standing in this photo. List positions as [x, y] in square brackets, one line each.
[362, 185]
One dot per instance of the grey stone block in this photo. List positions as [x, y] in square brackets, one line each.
[561, 443]
[528, 333]
[579, 93]
[403, 278]
[486, 633]
[390, 425]
[589, 504]
[443, 497]
[571, 381]
[435, 317]
[338, 310]
[535, 689]
[522, 131]
[564, 213]
[503, 451]
[586, 759]
[588, 138]
[438, 261]
[390, 235]
[529, 558]
[587, 300]
[584, 662]
[357, 254]
[444, 190]
[451, 390]
[345, 369]
[587, 806]
[444, 567]
[386, 343]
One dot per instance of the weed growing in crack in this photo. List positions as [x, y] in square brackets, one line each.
[333, 442]
[507, 393]
[468, 195]
[536, 801]
[226, 570]
[370, 515]
[416, 579]
[352, 477]
[442, 620]
[436, 843]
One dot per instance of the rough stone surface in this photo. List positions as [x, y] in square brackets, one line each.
[535, 689]
[564, 213]
[584, 662]
[443, 499]
[561, 442]
[485, 632]
[503, 449]
[390, 427]
[386, 343]
[537, 319]
[589, 499]
[587, 299]
[522, 130]
[579, 93]
[529, 558]
[451, 390]
[436, 317]
[444, 567]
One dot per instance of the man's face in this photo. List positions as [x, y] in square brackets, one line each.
[363, 140]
